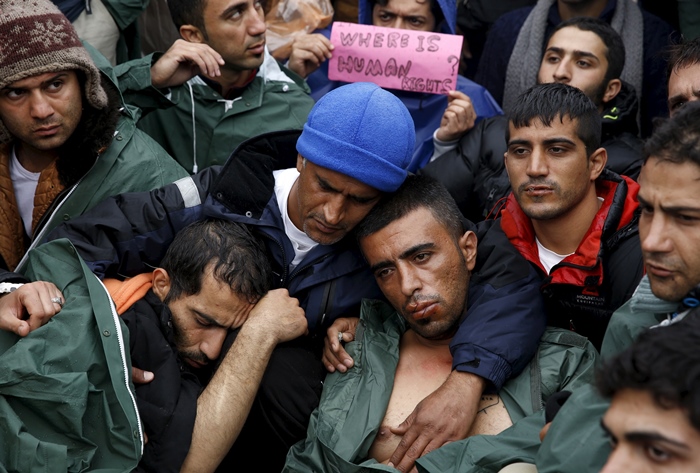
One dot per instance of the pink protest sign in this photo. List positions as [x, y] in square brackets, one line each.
[419, 61]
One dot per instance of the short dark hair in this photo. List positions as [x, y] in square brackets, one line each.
[238, 260]
[434, 9]
[615, 53]
[416, 192]
[547, 102]
[681, 55]
[187, 12]
[676, 139]
[664, 362]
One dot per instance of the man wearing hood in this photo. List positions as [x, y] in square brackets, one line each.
[463, 107]
[585, 53]
[68, 142]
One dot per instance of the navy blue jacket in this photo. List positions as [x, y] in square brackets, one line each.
[126, 234]
[504, 33]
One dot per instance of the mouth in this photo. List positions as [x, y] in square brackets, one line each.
[323, 228]
[47, 130]
[194, 363]
[257, 48]
[658, 271]
[422, 310]
[537, 190]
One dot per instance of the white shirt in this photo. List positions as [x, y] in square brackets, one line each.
[284, 180]
[24, 184]
[548, 258]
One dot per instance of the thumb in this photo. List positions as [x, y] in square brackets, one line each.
[15, 325]
[403, 427]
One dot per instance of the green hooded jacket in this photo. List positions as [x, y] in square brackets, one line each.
[353, 404]
[66, 399]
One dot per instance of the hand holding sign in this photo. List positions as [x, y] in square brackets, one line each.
[308, 52]
[417, 61]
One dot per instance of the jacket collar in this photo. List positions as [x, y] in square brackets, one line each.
[583, 268]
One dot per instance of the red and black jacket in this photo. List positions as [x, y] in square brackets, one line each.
[584, 289]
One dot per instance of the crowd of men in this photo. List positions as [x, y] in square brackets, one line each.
[206, 253]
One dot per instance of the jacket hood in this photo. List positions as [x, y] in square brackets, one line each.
[449, 11]
[620, 114]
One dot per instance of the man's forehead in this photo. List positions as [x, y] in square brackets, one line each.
[573, 38]
[38, 79]
[539, 128]
[341, 182]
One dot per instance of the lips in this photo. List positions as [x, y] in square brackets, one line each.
[537, 190]
[422, 310]
[257, 48]
[47, 130]
[658, 271]
[323, 228]
[194, 364]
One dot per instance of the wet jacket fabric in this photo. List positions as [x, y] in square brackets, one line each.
[475, 174]
[132, 231]
[168, 404]
[132, 162]
[66, 398]
[425, 109]
[584, 289]
[578, 443]
[353, 404]
[199, 127]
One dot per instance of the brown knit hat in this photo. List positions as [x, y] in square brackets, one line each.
[35, 38]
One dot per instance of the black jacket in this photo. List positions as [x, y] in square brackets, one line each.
[168, 404]
[475, 172]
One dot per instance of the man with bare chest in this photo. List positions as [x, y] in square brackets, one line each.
[424, 263]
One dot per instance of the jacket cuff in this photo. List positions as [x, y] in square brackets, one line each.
[476, 360]
[8, 276]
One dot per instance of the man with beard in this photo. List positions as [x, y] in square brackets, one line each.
[585, 53]
[669, 232]
[426, 265]
[215, 87]
[67, 140]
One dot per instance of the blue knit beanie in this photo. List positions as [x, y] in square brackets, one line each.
[362, 131]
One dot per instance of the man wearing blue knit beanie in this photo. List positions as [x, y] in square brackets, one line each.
[303, 193]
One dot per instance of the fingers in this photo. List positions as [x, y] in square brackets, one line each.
[308, 53]
[29, 307]
[183, 61]
[279, 316]
[458, 118]
[139, 376]
[410, 447]
[334, 355]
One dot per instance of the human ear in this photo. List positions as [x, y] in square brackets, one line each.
[192, 34]
[467, 245]
[613, 88]
[161, 283]
[597, 161]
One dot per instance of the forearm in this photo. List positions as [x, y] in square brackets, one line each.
[223, 406]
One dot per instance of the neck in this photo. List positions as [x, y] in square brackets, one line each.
[563, 234]
[438, 345]
[592, 9]
[33, 159]
[230, 80]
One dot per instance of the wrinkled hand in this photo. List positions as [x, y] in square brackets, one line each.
[29, 307]
[183, 61]
[334, 355]
[444, 416]
[308, 53]
[278, 315]
[459, 117]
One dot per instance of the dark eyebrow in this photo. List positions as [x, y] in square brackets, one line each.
[233, 8]
[357, 198]
[519, 142]
[668, 209]
[560, 139]
[404, 255]
[208, 318]
[642, 437]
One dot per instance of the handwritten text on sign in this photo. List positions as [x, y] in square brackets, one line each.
[419, 61]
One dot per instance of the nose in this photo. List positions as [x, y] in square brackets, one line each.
[653, 234]
[256, 25]
[334, 210]
[562, 73]
[537, 163]
[410, 282]
[211, 346]
[40, 107]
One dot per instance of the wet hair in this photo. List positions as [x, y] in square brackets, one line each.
[548, 102]
[229, 249]
[434, 9]
[676, 139]
[187, 12]
[416, 192]
[615, 48]
[664, 362]
[682, 55]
